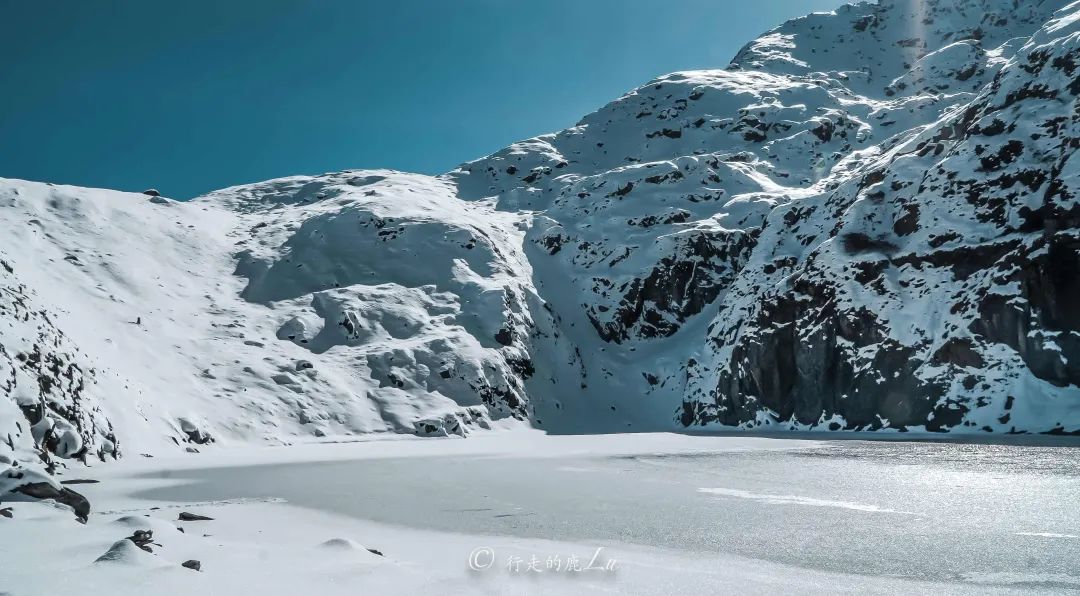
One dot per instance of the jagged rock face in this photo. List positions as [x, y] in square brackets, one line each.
[697, 269]
[937, 295]
[51, 412]
[835, 202]
[857, 204]
[900, 47]
[50, 383]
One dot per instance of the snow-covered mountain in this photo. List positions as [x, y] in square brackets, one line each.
[867, 221]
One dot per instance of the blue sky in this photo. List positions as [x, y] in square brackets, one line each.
[196, 95]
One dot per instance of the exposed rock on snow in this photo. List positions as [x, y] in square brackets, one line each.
[62, 495]
[945, 311]
[192, 564]
[49, 412]
[862, 223]
[143, 539]
[866, 221]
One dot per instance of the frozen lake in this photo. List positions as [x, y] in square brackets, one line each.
[995, 514]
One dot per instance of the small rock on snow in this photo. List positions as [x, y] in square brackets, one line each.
[192, 564]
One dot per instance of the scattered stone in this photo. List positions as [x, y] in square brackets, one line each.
[152, 192]
[192, 564]
[194, 432]
[375, 552]
[143, 539]
[6, 512]
[440, 427]
[79, 481]
[186, 516]
[284, 379]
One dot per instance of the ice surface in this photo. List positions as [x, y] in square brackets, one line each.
[640, 503]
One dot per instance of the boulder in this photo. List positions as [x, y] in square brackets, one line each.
[65, 496]
[192, 564]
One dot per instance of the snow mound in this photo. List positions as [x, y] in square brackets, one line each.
[125, 552]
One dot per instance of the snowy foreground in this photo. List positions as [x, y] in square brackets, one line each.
[260, 543]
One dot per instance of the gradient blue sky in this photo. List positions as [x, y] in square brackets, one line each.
[196, 95]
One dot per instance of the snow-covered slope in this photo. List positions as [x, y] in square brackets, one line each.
[807, 238]
[866, 221]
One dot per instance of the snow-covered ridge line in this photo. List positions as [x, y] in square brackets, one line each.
[865, 222]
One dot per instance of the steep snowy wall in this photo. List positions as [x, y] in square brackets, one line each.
[938, 287]
[834, 232]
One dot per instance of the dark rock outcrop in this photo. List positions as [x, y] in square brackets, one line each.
[43, 490]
